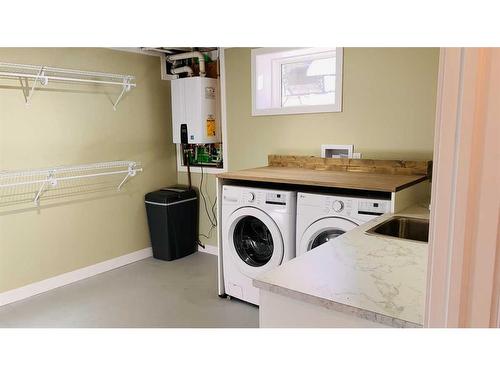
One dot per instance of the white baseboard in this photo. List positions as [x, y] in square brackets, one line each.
[30, 290]
[208, 249]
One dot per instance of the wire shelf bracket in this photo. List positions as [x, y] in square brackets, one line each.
[40, 75]
[126, 88]
[48, 178]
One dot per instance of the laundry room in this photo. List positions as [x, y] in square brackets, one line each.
[248, 186]
[115, 172]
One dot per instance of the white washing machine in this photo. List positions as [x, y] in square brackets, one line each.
[321, 218]
[258, 234]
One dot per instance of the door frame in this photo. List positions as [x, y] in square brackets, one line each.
[463, 281]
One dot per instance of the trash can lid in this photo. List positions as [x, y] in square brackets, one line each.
[170, 194]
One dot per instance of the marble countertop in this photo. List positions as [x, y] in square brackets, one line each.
[377, 278]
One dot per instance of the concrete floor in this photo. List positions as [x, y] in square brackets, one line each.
[148, 293]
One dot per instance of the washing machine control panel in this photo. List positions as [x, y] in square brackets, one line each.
[276, 198]
[373, 207]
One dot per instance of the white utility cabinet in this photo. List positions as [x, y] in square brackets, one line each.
[195, 103]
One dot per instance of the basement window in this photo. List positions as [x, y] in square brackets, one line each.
[296, 80]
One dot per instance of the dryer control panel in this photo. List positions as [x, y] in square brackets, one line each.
[276, 198]
[363, 209]
[373, 207]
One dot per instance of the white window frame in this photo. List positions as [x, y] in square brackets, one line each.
[276, 86]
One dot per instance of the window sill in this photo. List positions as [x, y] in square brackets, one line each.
[297, 110]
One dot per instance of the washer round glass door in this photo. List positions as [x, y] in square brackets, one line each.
[322, 231]
[255, 241]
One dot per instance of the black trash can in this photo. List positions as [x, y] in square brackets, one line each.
[173, 221]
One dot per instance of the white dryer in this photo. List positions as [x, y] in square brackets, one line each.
[321, 218]
[258, 234]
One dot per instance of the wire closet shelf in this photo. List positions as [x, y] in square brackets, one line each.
[40, 75]
[50, 177]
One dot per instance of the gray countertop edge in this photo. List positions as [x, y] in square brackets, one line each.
[332, 305]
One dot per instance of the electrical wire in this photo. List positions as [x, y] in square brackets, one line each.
[214, 210]
[213, 205]
[209, 234]
[212, 218]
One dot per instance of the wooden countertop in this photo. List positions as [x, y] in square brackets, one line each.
[335, 179]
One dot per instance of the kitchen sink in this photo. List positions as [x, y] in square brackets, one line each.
[407, 228]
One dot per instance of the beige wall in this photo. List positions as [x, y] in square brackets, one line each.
[389, 100]
[67, 126]
[389, 104]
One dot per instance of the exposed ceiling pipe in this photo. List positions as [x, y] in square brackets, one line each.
[182, 69]
[190, 55]
[160, 50]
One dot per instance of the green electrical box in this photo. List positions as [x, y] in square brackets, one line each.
[206, 155]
